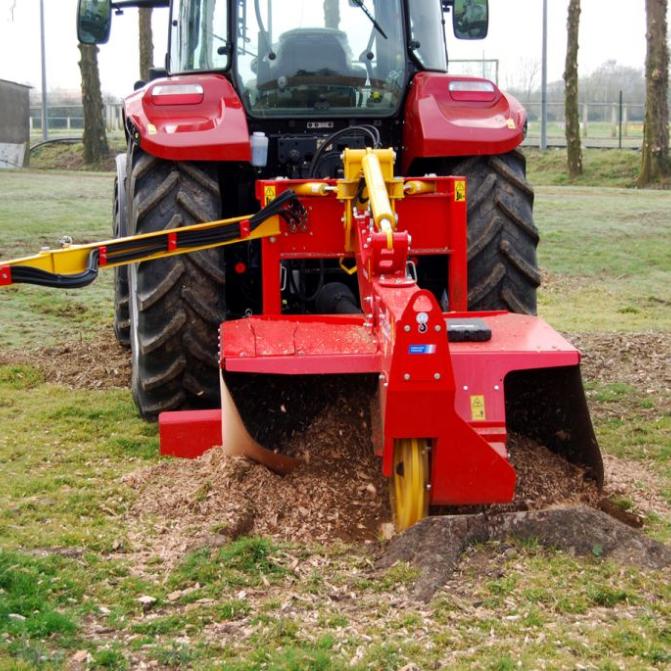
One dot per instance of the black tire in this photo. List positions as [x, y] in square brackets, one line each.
[178, 303]
[502, 237]
[121, 307]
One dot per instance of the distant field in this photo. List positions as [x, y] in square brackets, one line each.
[70, 577]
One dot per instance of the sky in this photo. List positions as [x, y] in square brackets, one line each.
[610, 30]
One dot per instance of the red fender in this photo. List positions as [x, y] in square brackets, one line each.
[209, 125]
[440, 122]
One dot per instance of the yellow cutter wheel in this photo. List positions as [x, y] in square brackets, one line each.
[409, 488]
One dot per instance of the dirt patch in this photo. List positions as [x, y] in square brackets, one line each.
[339, 492]
[435, 545]
[639, 359]
[100, 363]
[633, 482]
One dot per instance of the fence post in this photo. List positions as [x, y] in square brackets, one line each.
[620, 120]
[585, 119]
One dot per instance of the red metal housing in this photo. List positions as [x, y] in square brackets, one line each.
[441, 123]
[191, 127]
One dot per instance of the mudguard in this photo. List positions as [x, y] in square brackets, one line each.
[443, 122]
[208, 126]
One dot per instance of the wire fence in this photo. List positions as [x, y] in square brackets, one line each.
[602, 124]
[68, 120]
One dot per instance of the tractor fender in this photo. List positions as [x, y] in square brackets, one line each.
[189, 118]
[455, 115]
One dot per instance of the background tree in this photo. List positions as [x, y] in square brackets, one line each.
[655, 151]
[573, 148]
[95, 137]
[146, 43]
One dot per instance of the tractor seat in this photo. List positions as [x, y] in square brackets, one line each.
[313, 56]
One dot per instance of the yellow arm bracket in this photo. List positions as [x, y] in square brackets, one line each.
[376, 168]
[75, 266]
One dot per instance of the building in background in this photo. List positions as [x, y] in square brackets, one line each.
[14, 124]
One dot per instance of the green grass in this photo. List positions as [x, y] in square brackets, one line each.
[254, 604]
[607, 252]
[609, 167]
[37, 212]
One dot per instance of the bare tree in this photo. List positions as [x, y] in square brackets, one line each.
[526, 78]
[655, 152]
[146, 43]
[573, 148]
[331, 13]
[95, 137]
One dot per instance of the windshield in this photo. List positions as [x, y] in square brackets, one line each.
[428, 36]
[320, 57]
[198, 31]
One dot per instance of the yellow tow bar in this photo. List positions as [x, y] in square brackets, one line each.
[73, 266]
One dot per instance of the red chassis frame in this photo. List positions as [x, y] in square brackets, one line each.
[451, 394]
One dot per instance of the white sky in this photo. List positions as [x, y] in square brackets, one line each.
[610, 30]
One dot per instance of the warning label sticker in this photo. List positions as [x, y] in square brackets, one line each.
[478, 408]
[459, 191]
[269, 194]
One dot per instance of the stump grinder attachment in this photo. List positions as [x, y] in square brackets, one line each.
[452, 383]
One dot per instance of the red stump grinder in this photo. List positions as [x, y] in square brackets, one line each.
[415, 263]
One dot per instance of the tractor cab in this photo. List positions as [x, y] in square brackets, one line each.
[286, 58]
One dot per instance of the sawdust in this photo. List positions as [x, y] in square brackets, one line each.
[639, 359]
[636, 484]
[339, 492]
[98, 363]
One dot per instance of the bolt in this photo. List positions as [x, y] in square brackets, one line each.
[381, 376]
[436, 376]
[273, 240]
[406, 377]
[428, 486]
[496, 387]
[438, 329]
[465, 387]
[407, 328]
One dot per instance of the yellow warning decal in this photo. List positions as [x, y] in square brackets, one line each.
[151, 129]
[459, 191]
[511, 124]
[478, 413]
[269, 194]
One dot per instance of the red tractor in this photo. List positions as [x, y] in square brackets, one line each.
[262, 88]
[395, 239]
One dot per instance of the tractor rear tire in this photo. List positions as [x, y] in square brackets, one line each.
[177, 303]
[502, 237]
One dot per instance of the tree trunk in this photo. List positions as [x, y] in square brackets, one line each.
[655, 152]
[146, 44]
[95, 137]
[331, 14]
[573, 148]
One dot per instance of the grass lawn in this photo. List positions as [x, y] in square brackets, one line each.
[71, 594]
